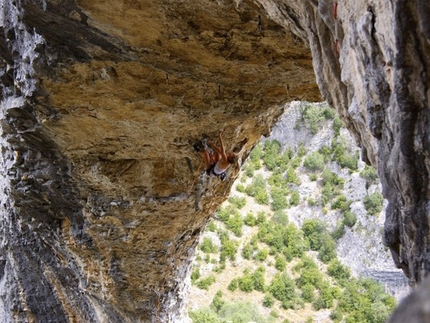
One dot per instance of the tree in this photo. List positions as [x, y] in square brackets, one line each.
[282, 287]
[314, 162]
[373, 203]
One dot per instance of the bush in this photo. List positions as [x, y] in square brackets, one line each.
[370, 175]
[310, 276]
[237, 201]
[204, 283]
[312, 116]
[280, 262]
[373, 203]
[268, 301]
[217, 301]
[262, 255]
[241, 188]
[259, 280]
[246, 283]
[234, 284]
[308, 293]
[337, 125]
[241, 312]
[195, 275]
[282, 288]
[258, 184]
[211, 226]
[247, 251]
[207, 246]
[261, 197]
[349, 219]
[280, 217]
[341, 203]
[235, 223]
[228, 248]
[295, 198]
[338, 271]
[314, 162]
[250, 220]
[291, 176]
[203, 315]
[279, 200]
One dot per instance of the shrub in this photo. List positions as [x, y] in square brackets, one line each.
[240, 312]
[339, 231]
[349, 219]
[327, 251]
[295, 198]
[195, 275]
[282, 288]
[246, 283]
[280, 262]
[203, 315]
[338, 271]
[262, 255]
[280, 217]
[291, 176]
[240, 188]
[237, 201]
[302, 150]
[341, 203]
[373, 203]
[258, 279]
[235, 223]
[310, 276]
[207, 246]
[234, 284]
[211, 226]
[261, 217]
[312, 115]
[268, 300]
[279, 200]
[228, 248]
[224, 213]
[217, 301]
[250, 220]
[370, 175]
[276, 180]
[204, 283]
[330, 177]
[337, 125]
[308, 293]
[314, 162]
[247, 251]
[261, 197]
[258, 184]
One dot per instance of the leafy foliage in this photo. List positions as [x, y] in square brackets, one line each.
[373, 203]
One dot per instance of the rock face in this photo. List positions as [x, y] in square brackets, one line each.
[372, 63]
[102, 101]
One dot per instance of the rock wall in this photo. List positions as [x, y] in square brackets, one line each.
[101, 104]
[102, 101]
[371, 61]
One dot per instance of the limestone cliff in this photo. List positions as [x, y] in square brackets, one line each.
[102, 101]
[372, 62]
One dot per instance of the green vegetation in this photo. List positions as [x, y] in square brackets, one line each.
[290, 267]
[373, 203]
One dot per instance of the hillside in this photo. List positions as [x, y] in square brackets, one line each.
[299, 234]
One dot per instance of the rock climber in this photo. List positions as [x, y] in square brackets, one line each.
[216, 161]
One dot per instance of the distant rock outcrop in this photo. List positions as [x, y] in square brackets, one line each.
[101, 103]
